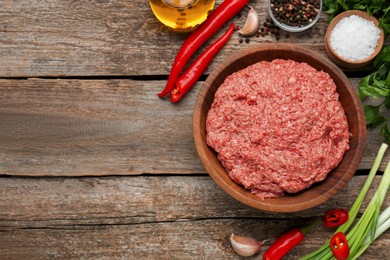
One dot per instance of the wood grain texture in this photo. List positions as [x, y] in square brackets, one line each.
[112, 217]
[135, 200]
[102, 127]
[57, 38]
[72, 127]
[95, 112]
[201, 239]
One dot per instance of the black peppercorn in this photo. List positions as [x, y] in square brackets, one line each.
[295, 12]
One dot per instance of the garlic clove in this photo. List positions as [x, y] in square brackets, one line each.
[245, 246]
[252, 23]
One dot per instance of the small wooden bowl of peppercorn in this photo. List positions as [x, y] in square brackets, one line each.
[310, 197]
[353, 39]
[295, 15]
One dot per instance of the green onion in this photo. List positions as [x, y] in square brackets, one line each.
[383, 226]
[368, 222]
[367, 225]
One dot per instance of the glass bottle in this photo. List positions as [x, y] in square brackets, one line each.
[181, 15]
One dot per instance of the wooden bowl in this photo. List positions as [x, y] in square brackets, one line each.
[349, 99]
[342, 61]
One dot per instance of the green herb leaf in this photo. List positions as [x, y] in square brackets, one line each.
[369, 87]
[364, 84]
[359, 6]
[373, 116]
[386, 102]
[383, 57]
[377, 85]
[385, 133]
[384, 21]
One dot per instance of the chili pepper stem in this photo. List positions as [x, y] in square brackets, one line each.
[306, 229]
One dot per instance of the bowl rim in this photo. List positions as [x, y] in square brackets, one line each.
[293, 28]
[336, 20]
[250, 199]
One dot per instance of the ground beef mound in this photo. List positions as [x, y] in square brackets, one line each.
[278, 127]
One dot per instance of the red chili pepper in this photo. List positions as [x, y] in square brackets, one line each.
[336, 217]
[223, 13]
[339, 246]
[192, 74]
[286, 242]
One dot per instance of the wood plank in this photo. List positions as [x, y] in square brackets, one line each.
[72, 127]
[140, 217]
[201, 239]
[102, 127]
[55, 38]
[134, 200]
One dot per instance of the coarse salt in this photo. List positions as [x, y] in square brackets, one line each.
[355, 38]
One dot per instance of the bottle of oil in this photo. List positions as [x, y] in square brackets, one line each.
[181, 15]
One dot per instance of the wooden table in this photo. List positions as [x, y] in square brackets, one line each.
[94, 165]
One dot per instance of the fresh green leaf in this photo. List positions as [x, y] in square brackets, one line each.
[380, 89]
[364, 84]
[385, 133]
[384, 21]
[388, 79]
[386, 102]
[382, 72]
[373, 116]
[383, 57]
[385, 25]
[377, 85]
[375, 91]
[359, 6]
[369, 87]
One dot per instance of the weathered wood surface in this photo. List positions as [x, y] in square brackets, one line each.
[200, 239]
[101, 127]
[102, 38]
[181, 217]
[135, 200]
[79, 114]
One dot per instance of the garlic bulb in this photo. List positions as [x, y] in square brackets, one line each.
[252, 23]
[245, 246]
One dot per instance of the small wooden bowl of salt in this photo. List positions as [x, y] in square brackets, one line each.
[353, 39]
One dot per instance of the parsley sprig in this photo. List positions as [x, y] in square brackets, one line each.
[377, 86]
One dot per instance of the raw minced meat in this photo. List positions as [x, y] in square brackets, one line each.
[278, 127]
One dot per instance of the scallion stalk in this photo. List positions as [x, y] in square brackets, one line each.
[385, 215]
[367, 224]
[383, 226]
[324, 252]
